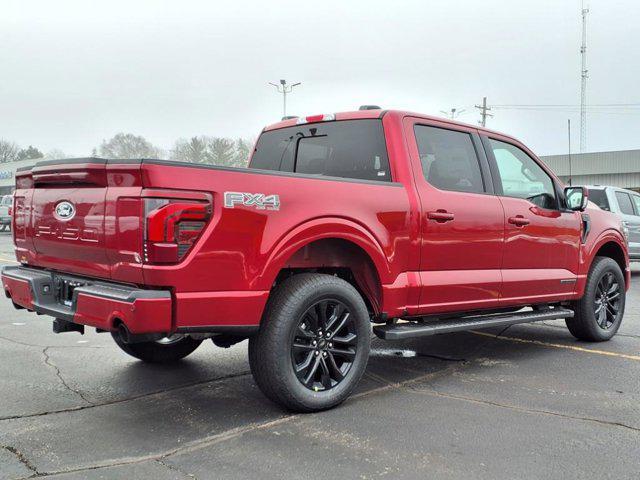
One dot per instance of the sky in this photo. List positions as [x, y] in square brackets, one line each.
[73, 73]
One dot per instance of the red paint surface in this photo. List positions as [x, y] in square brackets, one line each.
[411, 262]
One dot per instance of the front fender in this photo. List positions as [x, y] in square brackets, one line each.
[590, 250]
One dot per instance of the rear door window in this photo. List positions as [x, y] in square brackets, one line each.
[449, 159]
[599, 197]
[624, 202]
[347, 149]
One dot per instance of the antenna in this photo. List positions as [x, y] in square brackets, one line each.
[583, 86]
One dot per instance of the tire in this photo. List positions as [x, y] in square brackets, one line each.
[598, 314]
[162, 351]
[290, 326]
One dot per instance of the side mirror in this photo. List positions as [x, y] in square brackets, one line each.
[577, 198]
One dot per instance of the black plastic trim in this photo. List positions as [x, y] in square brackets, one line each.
[229, 329]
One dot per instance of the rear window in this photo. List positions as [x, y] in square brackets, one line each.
[599, 197]
[347, 149]
[6, 200]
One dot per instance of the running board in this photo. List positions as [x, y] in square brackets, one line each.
[401, 331]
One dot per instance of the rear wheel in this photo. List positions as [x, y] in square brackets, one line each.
[313, 345]
[166, 350]
[598, 314]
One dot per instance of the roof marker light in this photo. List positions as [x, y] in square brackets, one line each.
[327, 117]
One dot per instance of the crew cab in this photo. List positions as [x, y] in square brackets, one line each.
[415, 224]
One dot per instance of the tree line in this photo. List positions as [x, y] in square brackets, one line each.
[198, 149]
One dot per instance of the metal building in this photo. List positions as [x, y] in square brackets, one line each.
[8, 174]
[619, 168]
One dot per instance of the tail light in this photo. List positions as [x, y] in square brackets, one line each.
[10, 211]
[172, 227]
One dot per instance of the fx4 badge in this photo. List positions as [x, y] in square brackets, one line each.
[259, 201]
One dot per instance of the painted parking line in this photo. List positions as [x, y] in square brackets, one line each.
[559, 345]
[5, 259]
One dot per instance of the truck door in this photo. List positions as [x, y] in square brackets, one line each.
[542, 239]
[462, 221]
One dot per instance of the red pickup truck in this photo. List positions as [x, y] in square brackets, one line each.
[415, 224]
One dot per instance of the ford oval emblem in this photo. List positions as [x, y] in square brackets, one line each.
[65, 210]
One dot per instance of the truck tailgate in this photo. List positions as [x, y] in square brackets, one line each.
[79, 216]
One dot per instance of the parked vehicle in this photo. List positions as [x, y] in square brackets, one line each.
[6, 206]
[339, 222]
[626, 204]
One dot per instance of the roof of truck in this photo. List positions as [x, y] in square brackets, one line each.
[378, 113]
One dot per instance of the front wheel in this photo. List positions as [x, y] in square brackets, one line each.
[598, 314]
[166, 350]
[313, 346]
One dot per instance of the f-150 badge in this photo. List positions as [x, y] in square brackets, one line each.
[259, 201]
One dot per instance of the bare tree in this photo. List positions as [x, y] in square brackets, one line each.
[8, 151]
[55, 154]
[127, 145]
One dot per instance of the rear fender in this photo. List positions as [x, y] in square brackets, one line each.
[319, 229]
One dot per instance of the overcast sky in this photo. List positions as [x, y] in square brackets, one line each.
[73, 73]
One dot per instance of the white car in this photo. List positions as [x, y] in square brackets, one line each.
[6, 207]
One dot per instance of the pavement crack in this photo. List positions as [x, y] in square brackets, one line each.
[35, 345]
[437, 393]
[47, 361]
[174, 468]
[123, 400]
[21, 458]
[195, 445]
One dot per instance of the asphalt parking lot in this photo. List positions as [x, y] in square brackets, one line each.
[530, 403]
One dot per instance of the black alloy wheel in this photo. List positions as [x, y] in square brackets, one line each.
[607, 301]
[324, 345]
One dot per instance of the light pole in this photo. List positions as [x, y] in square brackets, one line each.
[454, 113]
[283, 88]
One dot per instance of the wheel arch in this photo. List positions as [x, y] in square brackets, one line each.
[336, 246]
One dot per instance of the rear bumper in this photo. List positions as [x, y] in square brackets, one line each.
[97, 304]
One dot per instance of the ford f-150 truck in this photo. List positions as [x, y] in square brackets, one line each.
[414, 224]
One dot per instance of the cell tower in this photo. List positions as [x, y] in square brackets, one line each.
[583, 86]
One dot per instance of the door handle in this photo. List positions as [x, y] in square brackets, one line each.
[519, 221]
[440, 216]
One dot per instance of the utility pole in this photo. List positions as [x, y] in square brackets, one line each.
[569, 127]
[284, 89]
[483, 112]
[583, 85]
[453, 113]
